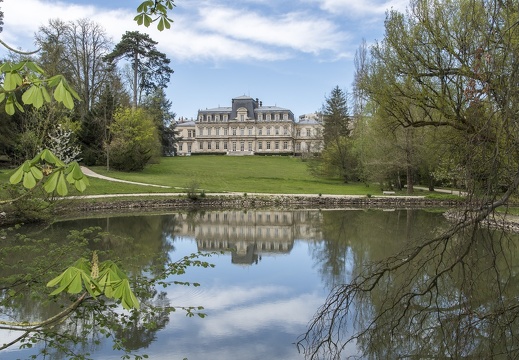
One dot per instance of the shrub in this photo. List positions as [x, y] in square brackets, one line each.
[192, 190]
[134, 140]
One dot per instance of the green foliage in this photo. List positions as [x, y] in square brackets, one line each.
[150, 67]
[337, 157]
[337, 121]
[97, 279]
[192, 190]
[31, 78]
[157, 8]
[159, 107]
[49, 171]
[134, 140]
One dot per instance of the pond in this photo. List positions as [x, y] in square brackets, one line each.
[259, 297]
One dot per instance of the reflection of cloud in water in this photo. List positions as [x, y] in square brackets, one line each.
[285, 314]
[257, 323]
[221, 298]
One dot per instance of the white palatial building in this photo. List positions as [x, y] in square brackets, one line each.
[247, 128]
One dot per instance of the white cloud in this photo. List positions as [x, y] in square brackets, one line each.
[295, 30]
[20, 25]
[199, 32]
[190, 44]
[362, 8]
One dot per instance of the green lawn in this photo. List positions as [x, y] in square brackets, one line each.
[247, 174]
[263, 174]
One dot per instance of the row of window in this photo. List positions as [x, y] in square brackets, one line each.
[251, 216]
[243, 117]
[281, 217]
[241, 131]
[223, 146]
[234, 131]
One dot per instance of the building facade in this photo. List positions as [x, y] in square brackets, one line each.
[248, 127]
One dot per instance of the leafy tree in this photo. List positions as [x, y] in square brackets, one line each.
[150, 67]
[449, 64]
[359, 96]
[337, 121]
[86, 281]
[159, 107]
[95, 132]
[134, 139]
[76, 49]
[337, 157]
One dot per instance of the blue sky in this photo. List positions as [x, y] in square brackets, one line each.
[286, 53]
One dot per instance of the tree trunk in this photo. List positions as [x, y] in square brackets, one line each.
[135, 79]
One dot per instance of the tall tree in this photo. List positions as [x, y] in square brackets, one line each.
[76, 49]
[337, 156]
[95, 133]
[335, 115]
[450, 64]
[360, 61]
[158, 106]
[150, 67]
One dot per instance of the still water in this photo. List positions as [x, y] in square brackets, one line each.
[260, 297]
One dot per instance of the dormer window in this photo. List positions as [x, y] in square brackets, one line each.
[242, 114]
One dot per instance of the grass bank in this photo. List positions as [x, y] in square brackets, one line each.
[247, 174]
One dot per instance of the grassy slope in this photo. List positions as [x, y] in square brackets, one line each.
[248, 174]
[278, 174]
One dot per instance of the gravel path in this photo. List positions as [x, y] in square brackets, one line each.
[90, 173]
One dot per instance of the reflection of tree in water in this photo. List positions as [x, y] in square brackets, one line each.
[141, 245]
[460, 302]
[347, 238]
[467, 313]
[142, 240]
[142, 330]
[330, 254]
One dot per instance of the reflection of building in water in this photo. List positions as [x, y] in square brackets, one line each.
[250, 233]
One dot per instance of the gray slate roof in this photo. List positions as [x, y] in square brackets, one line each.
[218, 109]
[185, 124]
